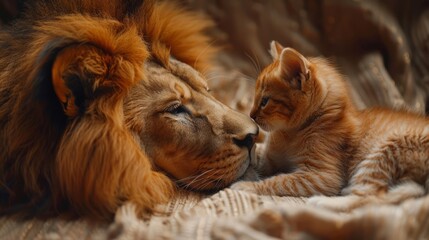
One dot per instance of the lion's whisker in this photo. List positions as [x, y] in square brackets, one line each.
[192, 176]
[197, 178]
[206, 181]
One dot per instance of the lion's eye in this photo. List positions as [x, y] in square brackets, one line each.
[264, 101]
[178, 109]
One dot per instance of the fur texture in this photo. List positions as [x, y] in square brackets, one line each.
[319, 142]
[71, 73]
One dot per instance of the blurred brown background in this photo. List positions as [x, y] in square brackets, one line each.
[382, 46]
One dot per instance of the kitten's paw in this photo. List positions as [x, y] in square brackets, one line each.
[338, 204]
[246, 186]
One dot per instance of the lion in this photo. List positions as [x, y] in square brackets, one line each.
[106, 102]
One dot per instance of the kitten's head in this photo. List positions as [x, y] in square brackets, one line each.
[286, 91]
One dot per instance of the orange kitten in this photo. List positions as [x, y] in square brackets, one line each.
[319, 142]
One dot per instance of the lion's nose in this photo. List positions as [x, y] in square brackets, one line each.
[248, 140]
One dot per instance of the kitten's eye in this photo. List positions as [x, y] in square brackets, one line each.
[177, 109]
[264, 101]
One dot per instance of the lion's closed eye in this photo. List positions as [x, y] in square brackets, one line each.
[178, 109]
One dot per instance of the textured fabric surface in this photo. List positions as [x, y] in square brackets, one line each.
[231, 214]
[189, 215]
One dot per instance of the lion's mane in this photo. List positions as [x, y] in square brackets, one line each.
[56, 158]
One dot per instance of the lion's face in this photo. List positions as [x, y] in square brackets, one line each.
[78, 77]
[187, 133]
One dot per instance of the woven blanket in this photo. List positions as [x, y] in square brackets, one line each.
[231, 214]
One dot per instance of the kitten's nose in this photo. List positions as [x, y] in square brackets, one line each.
[253, 113]
[248, 140]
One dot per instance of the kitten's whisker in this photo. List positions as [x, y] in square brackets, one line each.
[202, 52]
[257, 62]
[255, 66]
[217, 77]
[248, 78]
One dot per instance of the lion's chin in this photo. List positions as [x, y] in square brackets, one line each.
[248, 171]
[243, 168]
[213, 185]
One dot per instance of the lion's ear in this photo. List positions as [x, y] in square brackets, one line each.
[77, 72]
[61, 85]
[81, 73]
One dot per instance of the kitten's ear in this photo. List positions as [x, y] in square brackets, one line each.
[275, 49]
[294, 67]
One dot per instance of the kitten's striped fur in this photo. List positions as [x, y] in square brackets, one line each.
[319, 142]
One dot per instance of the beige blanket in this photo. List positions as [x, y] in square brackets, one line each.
[231, 214]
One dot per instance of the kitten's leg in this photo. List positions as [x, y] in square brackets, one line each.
[375, 179]
[403, 191]
[399, 160]
[373, 175]
[297, 184]
[367, 180]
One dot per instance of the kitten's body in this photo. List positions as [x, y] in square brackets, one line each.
[319, 142]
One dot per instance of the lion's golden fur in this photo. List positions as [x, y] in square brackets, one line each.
[56, 158]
